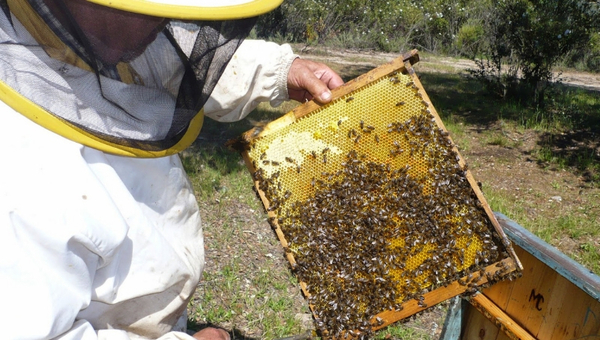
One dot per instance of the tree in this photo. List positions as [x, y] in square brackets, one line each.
[532, 36]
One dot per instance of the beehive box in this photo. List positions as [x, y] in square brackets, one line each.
[375, 208]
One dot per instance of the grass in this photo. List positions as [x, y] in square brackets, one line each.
[417, 329]
[579, 225]
[247, 286]
[399, 332]
[590, 253]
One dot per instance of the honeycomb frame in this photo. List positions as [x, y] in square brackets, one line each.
[310, 144]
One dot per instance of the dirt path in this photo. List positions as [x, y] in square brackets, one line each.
[585, 80]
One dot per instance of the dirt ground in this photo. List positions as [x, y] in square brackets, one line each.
[540, 188]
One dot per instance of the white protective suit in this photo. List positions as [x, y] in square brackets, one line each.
[94, 245]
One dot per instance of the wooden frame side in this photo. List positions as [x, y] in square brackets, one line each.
[273, 222]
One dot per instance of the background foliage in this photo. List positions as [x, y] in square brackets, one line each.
[453, 27]
[531, 37]
[397, 25]
[516, 43]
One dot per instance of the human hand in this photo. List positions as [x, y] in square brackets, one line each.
[211, 333]
[308, 79]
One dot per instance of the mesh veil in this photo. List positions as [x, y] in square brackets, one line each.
[146, 103]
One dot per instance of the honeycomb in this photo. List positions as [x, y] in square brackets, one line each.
[373, 204]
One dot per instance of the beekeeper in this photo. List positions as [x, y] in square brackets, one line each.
[100, 232]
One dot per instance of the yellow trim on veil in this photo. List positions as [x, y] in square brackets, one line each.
[42, 117]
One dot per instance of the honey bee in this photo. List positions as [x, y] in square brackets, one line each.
[349, 99]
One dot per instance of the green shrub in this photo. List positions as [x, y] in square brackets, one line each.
[532, 36]
[469, 39]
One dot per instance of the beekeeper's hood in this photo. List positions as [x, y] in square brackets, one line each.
[124, 76]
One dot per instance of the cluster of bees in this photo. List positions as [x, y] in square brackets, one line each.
[372, 237]
[386, 215]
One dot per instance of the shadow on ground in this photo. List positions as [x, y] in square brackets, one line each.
[576, 149]
[456, 97]
[350, 72]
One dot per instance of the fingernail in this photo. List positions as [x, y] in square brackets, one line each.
[326, 96]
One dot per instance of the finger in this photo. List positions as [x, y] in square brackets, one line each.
[309, 80]
[211, 334]
[317, 88]
[321, 81]
[332, 79]
[300, 95]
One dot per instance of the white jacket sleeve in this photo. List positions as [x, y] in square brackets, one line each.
[256, 73]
